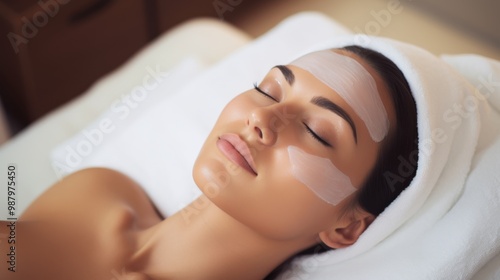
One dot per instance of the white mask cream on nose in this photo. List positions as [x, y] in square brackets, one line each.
[320, 176]
[353, 83]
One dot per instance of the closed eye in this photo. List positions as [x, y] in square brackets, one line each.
[263, 92]
[316, 136]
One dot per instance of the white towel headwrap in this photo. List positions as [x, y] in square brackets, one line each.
[448, 128]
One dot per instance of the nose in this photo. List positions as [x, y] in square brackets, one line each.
[260, 124]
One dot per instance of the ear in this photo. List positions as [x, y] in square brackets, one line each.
[347, 231]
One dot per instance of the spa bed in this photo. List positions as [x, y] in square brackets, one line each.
[109, 124]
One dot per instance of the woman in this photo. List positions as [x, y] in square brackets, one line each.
[262, 202]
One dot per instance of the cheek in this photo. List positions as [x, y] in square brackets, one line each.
[296, 212]
[306, 195]
[320, 175]
[237, 108]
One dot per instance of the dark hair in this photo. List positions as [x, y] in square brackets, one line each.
[397, 161]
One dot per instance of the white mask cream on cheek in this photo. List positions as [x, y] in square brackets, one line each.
[353, 83]
[320, 176]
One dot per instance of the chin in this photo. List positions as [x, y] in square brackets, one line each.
[199, 173]
[209, 175]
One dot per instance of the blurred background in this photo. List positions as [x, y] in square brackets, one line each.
[53, 50]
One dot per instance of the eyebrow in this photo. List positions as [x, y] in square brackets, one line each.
[287, 73]
[329, 105]
[321, 101]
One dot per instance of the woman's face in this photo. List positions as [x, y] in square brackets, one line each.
[261, 188]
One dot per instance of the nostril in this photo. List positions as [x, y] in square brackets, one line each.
[259, 131]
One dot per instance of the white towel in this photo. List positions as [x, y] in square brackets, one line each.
[445, 224]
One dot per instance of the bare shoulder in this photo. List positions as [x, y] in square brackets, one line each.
[90, 187]
[96, 176]
[84, 215]
[99, 181]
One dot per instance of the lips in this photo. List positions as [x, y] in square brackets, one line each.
[236, 150]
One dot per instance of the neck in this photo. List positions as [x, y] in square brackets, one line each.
[202, 241]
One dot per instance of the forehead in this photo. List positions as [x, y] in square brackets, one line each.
[354, 83]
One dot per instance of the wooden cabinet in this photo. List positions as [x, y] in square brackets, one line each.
[53, 50]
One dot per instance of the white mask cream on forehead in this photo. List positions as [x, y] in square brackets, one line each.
[353, 83]
[320, 176]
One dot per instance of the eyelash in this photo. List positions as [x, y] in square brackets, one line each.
[308, 129]
[316, 136]
[257, 88]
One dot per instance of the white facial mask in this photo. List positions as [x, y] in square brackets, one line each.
[353, 83]
[320, 176]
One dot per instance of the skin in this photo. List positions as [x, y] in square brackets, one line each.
[99, 224]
